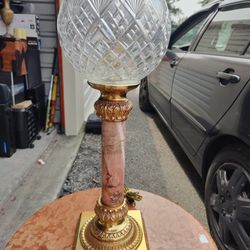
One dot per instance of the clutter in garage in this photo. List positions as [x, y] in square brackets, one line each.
[26, 106]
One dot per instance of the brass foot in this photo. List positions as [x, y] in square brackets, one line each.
[129, 235]
[126, 236]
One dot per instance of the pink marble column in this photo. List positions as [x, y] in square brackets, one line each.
[113, 163]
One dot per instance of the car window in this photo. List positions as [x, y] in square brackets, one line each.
[228, 33]
[186, 40]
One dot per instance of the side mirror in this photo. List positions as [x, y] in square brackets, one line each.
[170, 56]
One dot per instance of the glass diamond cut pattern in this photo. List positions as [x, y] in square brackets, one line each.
[115, 42]
[135, 5]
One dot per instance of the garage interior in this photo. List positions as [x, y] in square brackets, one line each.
[35, 96]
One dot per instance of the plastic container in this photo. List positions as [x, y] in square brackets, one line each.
[25, 127]
[7, 137]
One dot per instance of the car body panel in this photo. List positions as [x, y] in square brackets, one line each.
[161, 85]
[199, 100]
[190, 98]
[237, 129]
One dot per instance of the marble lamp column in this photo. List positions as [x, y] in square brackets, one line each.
[113, 108]
[113, 163]
[112, 227]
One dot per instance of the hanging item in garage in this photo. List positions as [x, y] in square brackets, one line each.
[12, 55]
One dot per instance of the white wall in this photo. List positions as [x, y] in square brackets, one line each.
[79, 99]
[90, 97]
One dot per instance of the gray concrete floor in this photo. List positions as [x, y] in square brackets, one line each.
[26, 186]
[14, 169]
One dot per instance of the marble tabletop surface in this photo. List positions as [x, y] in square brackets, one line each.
[169, 227]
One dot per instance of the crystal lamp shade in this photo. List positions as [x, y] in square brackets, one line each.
[114, 42]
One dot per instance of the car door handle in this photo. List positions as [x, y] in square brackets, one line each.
[227, 78]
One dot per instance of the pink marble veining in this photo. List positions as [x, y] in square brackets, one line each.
[113, 163]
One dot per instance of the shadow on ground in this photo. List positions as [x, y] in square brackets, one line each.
[180, 155]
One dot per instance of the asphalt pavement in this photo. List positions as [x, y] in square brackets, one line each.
[154, 163]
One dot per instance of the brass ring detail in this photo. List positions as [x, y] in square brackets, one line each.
[113, 111]
[129, 238]
[113, 106]
[109, 216]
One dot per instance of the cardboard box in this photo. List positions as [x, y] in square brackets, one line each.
[22, 21]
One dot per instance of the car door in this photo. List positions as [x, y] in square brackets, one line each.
[211, 76]
[161, 80]
[160, 86]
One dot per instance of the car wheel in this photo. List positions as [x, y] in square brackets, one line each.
[227, 198]
[144, 102]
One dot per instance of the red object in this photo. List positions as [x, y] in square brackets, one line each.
[61, 87]
[12, 56]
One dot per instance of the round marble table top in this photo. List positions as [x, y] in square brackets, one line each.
[54, 227]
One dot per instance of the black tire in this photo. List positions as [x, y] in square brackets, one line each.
[144, 102]
[227, 198]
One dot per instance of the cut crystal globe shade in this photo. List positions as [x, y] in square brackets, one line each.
[114, 42]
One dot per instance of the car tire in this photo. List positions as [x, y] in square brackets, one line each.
[144, 102]
[227, 198]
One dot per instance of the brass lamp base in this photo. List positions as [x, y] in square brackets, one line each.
[132, 237]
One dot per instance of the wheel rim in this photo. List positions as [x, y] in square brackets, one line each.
[143, 92]
[230, 206]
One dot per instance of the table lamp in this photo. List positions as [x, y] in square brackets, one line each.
[115, 43]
